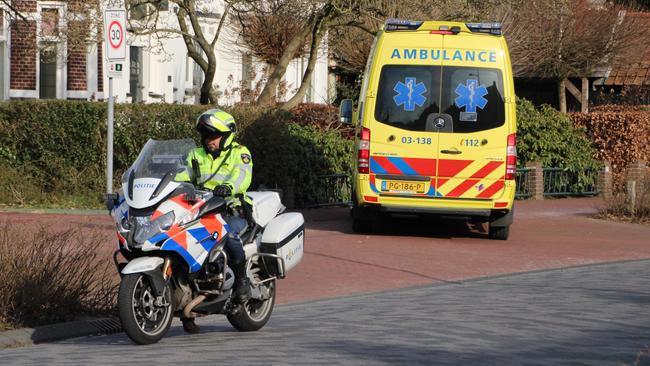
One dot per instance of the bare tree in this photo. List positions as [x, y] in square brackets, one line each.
[571, 38]
[266, 27]
[188, 22]
[317, 19]
[11, 11]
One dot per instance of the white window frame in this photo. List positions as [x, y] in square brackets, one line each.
[4, 38]
[62, 50]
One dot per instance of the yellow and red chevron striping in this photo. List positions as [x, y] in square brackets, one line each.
[475, 178]
[451, 168]
[487, 169]
[492, 190]
[462, 188]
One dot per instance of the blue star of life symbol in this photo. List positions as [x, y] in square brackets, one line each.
[471, 96]
[410, 94]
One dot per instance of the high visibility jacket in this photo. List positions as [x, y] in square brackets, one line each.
[233, 167]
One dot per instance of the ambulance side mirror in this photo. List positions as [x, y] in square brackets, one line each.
[345, 112]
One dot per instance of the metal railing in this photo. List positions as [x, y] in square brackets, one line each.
[334, 190]
[522, 183]
[562, 182]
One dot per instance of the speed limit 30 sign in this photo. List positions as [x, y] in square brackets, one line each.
[114, 34]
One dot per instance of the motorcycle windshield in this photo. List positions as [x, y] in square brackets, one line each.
[160, 160]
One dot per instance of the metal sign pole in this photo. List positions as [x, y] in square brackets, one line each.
[115, 41]
[109, 143]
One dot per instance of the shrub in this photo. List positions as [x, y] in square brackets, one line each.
[548, 136]
[618, 206]
[292, 157]
[52, 276]
[621, 135]
[53, 153]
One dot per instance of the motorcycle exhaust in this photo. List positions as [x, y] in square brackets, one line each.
[187, 311]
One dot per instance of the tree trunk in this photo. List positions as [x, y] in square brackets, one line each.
[207, 96]
[266, 96]
[306, 78]
[561, 89]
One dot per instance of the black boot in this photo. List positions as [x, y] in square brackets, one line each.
[242, 284]
[190, 326]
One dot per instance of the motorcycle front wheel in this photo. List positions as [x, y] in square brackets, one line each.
[143, 320]
[254, 314]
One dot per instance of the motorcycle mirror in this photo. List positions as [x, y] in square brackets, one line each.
[110, 199]
[190, 197]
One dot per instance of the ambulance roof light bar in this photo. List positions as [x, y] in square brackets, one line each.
[393, 24]
[491, 28]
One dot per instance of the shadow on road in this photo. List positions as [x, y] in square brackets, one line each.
[338, 219]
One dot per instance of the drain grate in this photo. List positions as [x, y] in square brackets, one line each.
[107, 325]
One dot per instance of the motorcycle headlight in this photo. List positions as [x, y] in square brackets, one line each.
[189, 218]
[147, 228]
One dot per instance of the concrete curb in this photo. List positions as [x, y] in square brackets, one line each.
[69, 211]
[48, 333]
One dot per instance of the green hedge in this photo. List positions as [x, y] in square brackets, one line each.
[548, 136]
[292, 157]
[53, 153]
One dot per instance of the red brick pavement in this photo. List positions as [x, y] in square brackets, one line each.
[408, 252]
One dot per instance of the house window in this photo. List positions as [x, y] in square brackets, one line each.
[142, 9]
[246, 71]
[51, 65]
[50, 22]
[188, 69]
[47, 75]
[135, 74]
[3, 65]
[3, 55]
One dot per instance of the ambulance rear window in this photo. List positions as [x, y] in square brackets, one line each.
[407, 95]
[471, 97]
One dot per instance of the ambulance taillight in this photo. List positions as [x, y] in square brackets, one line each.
[363, 161]
[511, 157]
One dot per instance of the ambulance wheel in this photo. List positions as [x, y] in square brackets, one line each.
[499, 232]
[361, 226]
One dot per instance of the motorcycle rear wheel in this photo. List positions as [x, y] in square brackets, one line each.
[254, 314]
[142, 320]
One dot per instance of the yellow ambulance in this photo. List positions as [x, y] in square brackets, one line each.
[436, 126]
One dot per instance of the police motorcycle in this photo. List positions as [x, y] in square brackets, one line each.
[173, 234]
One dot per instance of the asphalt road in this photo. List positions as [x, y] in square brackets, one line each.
[590, 315]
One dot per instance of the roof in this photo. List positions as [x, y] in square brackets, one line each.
[632, 66]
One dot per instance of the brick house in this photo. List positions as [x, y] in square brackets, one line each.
[629, 70]
[38, 61]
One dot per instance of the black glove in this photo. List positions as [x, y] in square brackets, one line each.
[222, 191]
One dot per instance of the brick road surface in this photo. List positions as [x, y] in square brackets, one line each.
[406, 252]
[590, 315]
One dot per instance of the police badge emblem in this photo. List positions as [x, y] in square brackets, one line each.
[245, 158]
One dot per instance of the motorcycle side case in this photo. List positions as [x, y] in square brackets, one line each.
[265, 206]
[284, 236]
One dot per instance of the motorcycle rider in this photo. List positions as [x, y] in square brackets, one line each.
[226, 168]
